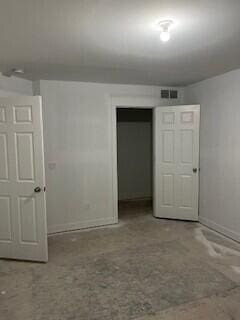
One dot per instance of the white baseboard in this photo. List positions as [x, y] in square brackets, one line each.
[136, 199]
[81, 225]
[217, 227]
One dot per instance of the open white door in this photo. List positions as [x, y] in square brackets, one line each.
[176, 162]
[23, 229]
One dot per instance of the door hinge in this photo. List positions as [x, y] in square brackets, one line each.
[44, 189]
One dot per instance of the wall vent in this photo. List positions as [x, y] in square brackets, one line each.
[173, 94]
[169, 94]
[165, 94]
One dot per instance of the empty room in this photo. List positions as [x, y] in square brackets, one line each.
[119, 160]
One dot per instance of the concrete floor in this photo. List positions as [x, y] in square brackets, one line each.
[143, 268]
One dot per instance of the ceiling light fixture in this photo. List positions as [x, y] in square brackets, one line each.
[165, 26]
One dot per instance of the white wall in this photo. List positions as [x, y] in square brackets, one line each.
[78, 150]
[134, 160]
[11, 86]
[219, 98]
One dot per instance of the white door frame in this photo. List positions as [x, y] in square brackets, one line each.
[138, 102]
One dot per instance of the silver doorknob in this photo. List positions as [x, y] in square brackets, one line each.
[37, 189]
[194, 170]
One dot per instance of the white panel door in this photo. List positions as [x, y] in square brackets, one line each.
[176, 162]
[23, 230]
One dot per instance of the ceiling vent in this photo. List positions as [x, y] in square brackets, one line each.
[169, 94]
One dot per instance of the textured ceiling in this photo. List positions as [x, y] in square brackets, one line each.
[118, 42]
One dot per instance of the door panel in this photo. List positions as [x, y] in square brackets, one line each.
[2, 114]
[24, 156]
[27, 219]
[5, 226]
[168, 146]
[23, 230]
[23, 114]
[3, 157]
[185, 191]
[186, 146]
[176, 154]
[168, 190]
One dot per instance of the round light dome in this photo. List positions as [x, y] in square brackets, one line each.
[165, 36]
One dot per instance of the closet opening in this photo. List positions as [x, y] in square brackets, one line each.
[135, 162]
